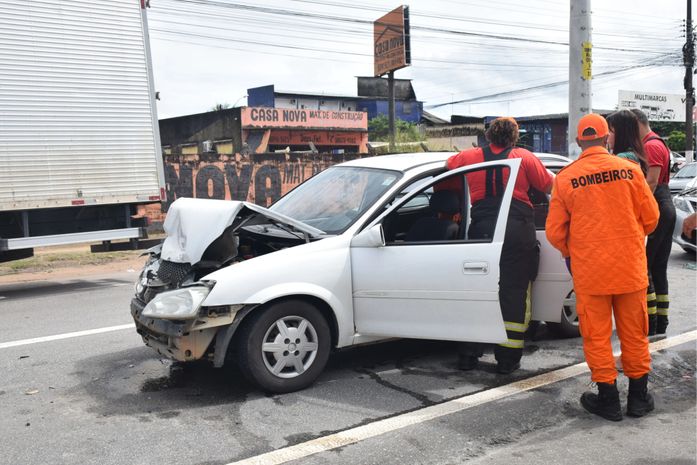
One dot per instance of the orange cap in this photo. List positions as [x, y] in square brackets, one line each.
[593, 125]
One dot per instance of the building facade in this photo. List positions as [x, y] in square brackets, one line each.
[372, 98]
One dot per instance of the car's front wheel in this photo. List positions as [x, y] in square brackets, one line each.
[284, 347]
[568, 326]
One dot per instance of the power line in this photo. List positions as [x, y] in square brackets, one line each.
[416, 13]
[278, 11]
[340, 52]
[542, 86]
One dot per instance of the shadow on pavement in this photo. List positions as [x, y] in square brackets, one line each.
[48, 288]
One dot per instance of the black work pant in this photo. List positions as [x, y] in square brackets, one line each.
[518, 268]
[658, 251]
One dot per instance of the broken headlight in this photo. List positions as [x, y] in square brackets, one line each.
[180, 304]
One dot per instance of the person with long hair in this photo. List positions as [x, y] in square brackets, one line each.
[624, 139]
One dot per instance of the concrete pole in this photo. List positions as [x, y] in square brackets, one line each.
[580, 74]
[689, 59]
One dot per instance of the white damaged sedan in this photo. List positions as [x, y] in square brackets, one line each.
[332, 264]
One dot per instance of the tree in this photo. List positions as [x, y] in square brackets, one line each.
[676, 141]
[378, 128]
[220, 106]
[673, 132]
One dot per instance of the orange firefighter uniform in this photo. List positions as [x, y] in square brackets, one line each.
[599, 215]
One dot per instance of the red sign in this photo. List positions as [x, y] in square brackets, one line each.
[391, 41]
[317, 137]
[269, 118]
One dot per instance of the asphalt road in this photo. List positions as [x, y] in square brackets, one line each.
[106, 398]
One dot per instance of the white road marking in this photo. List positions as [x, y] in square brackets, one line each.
[361, 433]
[57, 337]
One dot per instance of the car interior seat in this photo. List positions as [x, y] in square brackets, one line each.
[437, 228]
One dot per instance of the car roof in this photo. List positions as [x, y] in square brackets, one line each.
[401, 161]
[552, 157]
[407, 161]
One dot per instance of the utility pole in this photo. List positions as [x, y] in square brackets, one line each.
[580, 68]
[689, 61]
[390, 111]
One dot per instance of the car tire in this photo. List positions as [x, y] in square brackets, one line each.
[283, 347]
[568, 326]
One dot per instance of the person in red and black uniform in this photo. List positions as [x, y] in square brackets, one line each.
[520, 254]
[659, 243]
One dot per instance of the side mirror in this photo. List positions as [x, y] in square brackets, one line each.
[372, 237]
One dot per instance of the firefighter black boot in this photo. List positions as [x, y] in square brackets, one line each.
[606, 403]
[639, 401]
[468, 354]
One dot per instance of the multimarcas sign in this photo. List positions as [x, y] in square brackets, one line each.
[656, 107]
[262, 117]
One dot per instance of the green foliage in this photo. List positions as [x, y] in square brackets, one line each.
[378, 128]
[676, 141]
[673, 132]
[664, 128]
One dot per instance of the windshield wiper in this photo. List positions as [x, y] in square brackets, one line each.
[290, 230]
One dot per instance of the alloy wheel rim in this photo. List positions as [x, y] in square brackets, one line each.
[289, 347]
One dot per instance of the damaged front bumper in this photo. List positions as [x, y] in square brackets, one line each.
[182, 340]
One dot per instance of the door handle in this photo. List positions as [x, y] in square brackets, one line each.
[475, 267]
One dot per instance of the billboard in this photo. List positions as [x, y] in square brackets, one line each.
[657, 107]
[266, 117]
[392, 47]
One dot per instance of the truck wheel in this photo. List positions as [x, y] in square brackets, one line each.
[568, 326]
[284, 347]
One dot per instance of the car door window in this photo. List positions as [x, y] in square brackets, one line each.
[442, 211]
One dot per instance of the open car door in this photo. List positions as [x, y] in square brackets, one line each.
[436, 289]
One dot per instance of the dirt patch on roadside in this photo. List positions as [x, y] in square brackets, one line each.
[69, 262]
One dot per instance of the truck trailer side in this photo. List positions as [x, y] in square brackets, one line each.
[79, 138]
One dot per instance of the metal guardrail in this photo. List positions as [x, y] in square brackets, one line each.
[74, 238]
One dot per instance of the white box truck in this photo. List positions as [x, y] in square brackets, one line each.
[79, 138]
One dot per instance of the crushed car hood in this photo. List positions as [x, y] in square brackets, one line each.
[192, 224]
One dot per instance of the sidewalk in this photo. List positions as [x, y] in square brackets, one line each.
[70, 261]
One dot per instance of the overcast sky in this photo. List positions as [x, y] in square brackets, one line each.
[211, 51]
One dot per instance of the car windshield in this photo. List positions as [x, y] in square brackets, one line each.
[687, 171]
[335, 198]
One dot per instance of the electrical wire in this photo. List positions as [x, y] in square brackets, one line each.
[351, 34]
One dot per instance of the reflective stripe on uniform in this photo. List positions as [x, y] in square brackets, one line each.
[517, 327]
[663, 304]
[651, 303]
[513, 344]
